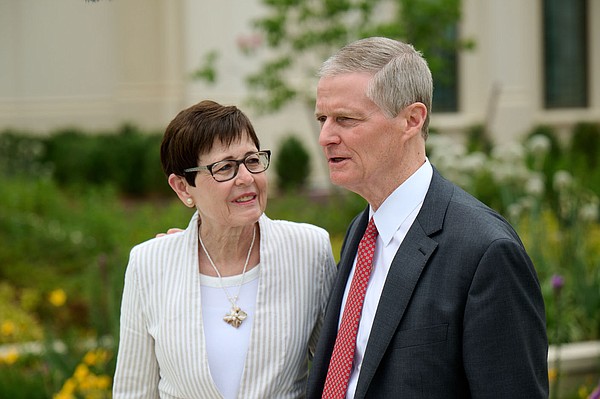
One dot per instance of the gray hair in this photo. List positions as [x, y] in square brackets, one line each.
[401, 75]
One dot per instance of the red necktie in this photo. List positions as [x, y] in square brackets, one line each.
[340, 364]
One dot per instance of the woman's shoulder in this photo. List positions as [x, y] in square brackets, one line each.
[166, 246]
[154, 253]
[288, 227]
[160, 243]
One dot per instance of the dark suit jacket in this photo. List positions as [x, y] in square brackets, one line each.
[461, 314]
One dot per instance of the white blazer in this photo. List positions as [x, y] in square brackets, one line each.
[162, 351]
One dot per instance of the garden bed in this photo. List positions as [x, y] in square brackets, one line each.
[574, 366]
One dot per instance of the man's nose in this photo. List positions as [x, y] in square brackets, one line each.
[328, 135]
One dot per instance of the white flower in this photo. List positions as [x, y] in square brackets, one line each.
[509, 152]
[589, 212]
[535, 185]
[538, 144]
[76, 237]
[527, 203]
[562, 180]
[514, 211]
[474, 162]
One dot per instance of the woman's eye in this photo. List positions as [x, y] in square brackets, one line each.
[222, 168]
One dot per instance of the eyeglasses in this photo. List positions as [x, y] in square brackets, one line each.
[227, 169]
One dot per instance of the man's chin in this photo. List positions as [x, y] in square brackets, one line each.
[338, 179]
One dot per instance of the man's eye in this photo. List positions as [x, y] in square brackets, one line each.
[252, 161]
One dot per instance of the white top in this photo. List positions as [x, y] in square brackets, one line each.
[226, 346]
[393, 220]
[163, 344]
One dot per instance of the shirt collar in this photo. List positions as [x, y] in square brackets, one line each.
[402, 202]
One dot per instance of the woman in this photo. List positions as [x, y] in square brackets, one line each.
[232, 306]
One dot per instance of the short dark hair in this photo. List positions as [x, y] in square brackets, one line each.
[196, 129]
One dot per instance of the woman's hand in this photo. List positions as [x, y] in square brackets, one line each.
[170, 231]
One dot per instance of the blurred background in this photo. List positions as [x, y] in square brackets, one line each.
[88, 87]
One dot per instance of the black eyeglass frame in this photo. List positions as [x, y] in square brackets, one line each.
[238, 162]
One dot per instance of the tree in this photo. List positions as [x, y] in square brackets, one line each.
[301, 34]
[296, 36]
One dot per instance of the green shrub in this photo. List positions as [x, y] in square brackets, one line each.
[27, 378]
[333, 212]
[478, 139]
[128, 160]
[585, 144]
[292, 165]
[21, 154]
[16, 323]
[75, 240]
[584, 154]
[551, 161]
[70, 227]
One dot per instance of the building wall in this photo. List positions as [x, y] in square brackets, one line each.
[97, 65]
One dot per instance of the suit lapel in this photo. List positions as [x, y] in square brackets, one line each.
[405, 271]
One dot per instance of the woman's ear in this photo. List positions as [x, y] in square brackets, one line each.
[181, 188]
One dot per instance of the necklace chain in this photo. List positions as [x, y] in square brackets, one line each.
[236, 316]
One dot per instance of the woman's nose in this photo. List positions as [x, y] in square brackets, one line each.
[243, 175]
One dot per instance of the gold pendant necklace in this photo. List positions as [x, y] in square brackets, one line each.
[236, 315]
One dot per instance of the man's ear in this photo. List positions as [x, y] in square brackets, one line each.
[415, 115]
[181, 188]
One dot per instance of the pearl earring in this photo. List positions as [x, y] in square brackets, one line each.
[189, 201]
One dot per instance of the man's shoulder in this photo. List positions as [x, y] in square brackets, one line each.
[466, 213]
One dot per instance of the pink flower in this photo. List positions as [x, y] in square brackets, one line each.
[249, 43]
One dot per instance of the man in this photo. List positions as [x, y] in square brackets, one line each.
[452, 306]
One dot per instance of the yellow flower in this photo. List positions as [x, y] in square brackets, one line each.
[81, 372]
[10, 357]
[58, 297]
[96, 357]
[87, 383]
[67, 391]
[583, 392]
[103, 355]
[8, 328]
[103, 382]
[91, 358]
[552, 374]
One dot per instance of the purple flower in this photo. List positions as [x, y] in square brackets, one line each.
[595, 394]
[558, 282]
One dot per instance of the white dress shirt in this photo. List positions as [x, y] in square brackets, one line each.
[393, 220]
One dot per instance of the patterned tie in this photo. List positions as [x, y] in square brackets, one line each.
[340, 364]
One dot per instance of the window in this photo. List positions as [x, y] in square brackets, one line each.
[445, 77]
[565, 54]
